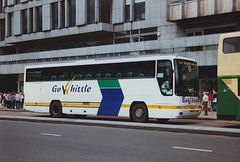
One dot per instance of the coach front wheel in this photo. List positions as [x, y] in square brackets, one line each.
[139, 112]
[56, 109]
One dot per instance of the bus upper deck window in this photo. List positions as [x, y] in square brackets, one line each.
[231, 45]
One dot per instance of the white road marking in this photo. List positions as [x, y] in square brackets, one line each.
[192, 149]
[48, 134]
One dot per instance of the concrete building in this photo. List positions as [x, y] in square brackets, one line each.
[51, 31]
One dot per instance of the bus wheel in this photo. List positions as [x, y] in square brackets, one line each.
[139, 113]
[56, 109]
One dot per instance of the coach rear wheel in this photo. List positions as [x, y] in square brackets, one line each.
[56, 109]
[139, 113]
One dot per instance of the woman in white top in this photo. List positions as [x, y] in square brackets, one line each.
[205, 102]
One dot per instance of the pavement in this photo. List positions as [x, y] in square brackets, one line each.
[201, 125]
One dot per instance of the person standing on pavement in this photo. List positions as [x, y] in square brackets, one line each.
[9, 98]
[4, 99]
[214, 99]
[205, 103]
[21, 100]
[1, 98]
[13, 101]
[210, 101]
[17, 98]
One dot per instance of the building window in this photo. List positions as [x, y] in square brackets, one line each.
[62, 14]
[105, 11]
[139, 10]
[30, 20]
[17, 1]
[127, 10]
[10, 24]
[91, 11]
[54, 17]
[24, 21]
[72, 12]
[1, 6]
[39, 18]
[2, 29]
[175, 1]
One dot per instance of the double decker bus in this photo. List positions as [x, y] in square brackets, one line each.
[160, 87]
[228, 97]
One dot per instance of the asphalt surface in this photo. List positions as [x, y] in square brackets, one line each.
[34, 141]
[203, 125]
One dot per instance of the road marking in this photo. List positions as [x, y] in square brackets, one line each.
[48, 134]
[192, 149]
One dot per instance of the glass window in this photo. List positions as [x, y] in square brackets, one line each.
[127, 10]
[17, 1]
[10, 24]
[122, 40]
[31, 20]
[105, 11]
[165, 77]
[186, 78]
[212, 47]
[39, 18]
[34, 75]
[1, 6]
[2, 29]
[144, 69]
[91, 11]
[62, 14]
[54, 17]
[139, 10]
[231, 45]
[72, 12]
[24, 21]
[175, 1]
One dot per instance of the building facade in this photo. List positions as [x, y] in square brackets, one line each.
[52, 31]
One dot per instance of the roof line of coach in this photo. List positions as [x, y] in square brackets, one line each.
[110, 60]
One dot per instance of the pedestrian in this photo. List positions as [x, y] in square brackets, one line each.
[9, 99]
[1, 98]
[13, 101]
[205, 103]
[214, 100]
[5, 99]
[210, 101]
[17, 97]
[21, 100]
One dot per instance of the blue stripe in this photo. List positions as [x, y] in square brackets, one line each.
[111, 101]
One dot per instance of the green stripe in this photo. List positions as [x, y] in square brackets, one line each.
[228, 76]
[108, 83]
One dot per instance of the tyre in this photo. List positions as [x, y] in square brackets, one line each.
[56, 109]
[139, 113]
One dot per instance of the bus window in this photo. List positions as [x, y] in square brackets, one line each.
[165, 77]
[231, 45]
[186, 75]
[34, 75]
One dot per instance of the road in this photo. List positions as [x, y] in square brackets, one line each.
[28, 141]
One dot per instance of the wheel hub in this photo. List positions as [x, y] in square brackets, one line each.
[139, 113]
